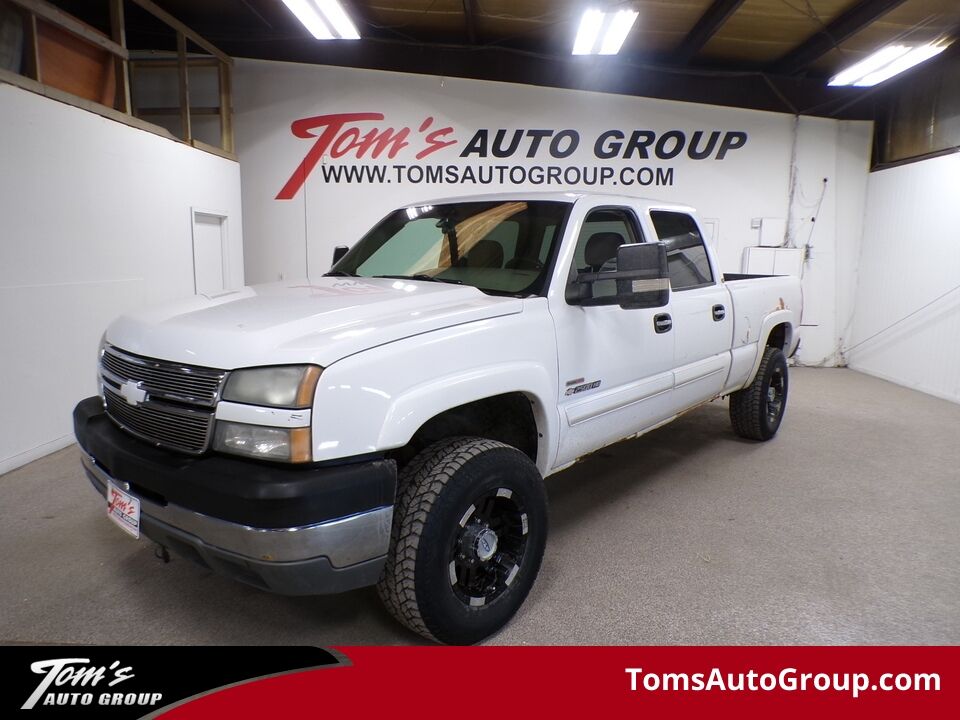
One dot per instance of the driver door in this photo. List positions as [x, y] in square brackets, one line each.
[615, 365]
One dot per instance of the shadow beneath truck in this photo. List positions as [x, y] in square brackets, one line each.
[681, 451]
[216, 609]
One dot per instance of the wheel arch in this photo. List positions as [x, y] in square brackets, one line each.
[476, 405]
[509, 418]
[777, 331]
[780, 336]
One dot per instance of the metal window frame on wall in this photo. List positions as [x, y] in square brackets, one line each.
[123, 108]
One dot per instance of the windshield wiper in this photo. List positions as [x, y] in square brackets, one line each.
[421, 276]
[339, 273]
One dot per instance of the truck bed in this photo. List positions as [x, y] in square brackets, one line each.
[754, 297]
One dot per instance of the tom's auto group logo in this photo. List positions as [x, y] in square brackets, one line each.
[73, 681]
[365, 147]
[130, 682]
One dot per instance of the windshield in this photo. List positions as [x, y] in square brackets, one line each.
[498, 247]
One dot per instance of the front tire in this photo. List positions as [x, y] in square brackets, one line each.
[757, 411]
[469, 531]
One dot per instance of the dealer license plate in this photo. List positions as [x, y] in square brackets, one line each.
[124, 509]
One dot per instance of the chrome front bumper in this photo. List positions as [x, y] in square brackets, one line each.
[329, 556]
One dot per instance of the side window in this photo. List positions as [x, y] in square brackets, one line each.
[604, 230]
[686, 254]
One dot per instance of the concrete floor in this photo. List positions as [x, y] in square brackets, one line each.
[844, 529]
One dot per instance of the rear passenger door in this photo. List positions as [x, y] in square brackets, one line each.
[702, 318]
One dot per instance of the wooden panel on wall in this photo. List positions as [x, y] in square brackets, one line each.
[75, 66]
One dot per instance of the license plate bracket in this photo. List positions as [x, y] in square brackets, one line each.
[123, 509]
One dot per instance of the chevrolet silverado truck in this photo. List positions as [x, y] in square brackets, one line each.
[391, 422]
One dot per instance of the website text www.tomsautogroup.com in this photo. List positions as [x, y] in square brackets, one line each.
[785, 680]
[477, 174]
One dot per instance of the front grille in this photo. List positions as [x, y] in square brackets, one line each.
[177, 411]
[179, 429]
[181, 383]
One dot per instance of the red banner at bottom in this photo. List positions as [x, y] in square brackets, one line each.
[528, 682]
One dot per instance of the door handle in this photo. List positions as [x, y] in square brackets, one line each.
[719, 313]
[662, 322]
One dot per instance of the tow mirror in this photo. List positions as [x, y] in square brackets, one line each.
[642, 279]
[338, 252]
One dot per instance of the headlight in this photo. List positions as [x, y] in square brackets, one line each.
[288, 386]
[266, 443]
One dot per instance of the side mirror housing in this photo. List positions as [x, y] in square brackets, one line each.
[642, 277]
[338, 252]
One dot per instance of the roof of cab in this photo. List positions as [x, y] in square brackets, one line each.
[566, 197]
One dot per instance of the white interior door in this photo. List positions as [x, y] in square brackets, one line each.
[211, 272]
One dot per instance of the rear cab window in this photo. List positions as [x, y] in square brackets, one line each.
[686, 252]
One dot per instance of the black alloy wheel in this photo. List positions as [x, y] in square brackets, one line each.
[488, 547]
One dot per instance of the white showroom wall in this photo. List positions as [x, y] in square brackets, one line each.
[95, 220]
[906, 322]
[778, 172]
[826, 220]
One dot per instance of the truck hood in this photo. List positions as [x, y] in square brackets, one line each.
[301, 322]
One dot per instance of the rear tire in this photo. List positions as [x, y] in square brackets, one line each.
[757, 411]
[469, 531]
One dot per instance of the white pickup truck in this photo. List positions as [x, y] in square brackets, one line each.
[391, 422]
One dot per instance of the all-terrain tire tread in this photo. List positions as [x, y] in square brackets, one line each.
[418, 486]
[747, 405]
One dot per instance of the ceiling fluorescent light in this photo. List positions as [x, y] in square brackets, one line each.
[885, 63]
[324, 19]
[869, 64]
[334, 14]
[914, 57]
[587, 33]
[617, 30]
[603, 33]
[310, 17]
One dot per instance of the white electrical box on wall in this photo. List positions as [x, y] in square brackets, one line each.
[772, 261]
[773, 231]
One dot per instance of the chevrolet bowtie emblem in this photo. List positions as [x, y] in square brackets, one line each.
[133, 392]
